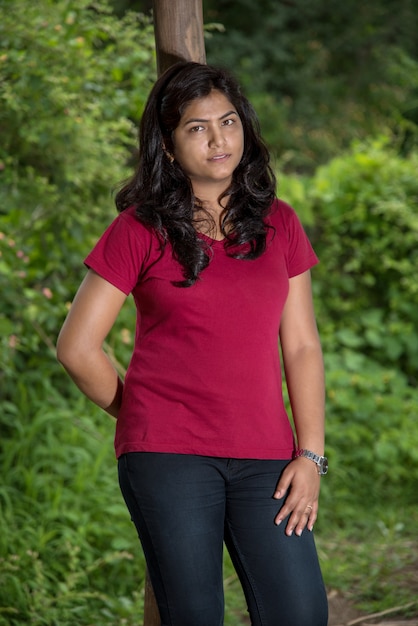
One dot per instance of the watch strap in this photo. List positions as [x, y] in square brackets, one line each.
[320, 461]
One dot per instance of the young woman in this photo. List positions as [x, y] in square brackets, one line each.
[219, 269]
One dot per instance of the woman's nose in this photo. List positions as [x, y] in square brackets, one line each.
[217, 137]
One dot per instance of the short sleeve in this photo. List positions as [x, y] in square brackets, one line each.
[119, 254]
[300, 255]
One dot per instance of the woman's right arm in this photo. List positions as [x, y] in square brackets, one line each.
[80, 342]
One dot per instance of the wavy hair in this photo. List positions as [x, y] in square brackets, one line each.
[161, 191]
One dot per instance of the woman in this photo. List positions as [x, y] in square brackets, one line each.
[218, 269]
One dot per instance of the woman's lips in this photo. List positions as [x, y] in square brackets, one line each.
[219, 157]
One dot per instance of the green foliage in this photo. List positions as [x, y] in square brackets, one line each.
[57, 556]
[73, 83]
[366, 234]
[372, 439]
[73, 78]
[372, 561]
[364, 226]
[322, 73]
[68, 85]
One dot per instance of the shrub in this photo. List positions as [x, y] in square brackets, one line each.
[366, 234]
[74, 79]
[360, 211]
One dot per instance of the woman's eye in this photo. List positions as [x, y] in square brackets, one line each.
[228, 122]
[195, 129]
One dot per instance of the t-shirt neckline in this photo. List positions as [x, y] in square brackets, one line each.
[210, 239]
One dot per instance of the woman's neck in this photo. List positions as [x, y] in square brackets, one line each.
[208, 217]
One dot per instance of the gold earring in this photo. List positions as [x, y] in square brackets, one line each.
[168, 155]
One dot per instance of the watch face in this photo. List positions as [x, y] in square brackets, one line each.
[324, 465]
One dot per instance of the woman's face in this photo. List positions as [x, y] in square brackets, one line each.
[209, 143]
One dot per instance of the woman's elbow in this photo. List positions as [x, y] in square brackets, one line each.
[69, 354]
[64, 354]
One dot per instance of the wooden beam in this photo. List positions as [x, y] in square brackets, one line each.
[151, 612]
[178, 27]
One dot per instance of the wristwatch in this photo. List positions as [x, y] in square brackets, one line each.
[321, 461]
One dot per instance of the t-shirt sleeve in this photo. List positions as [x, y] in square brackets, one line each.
[300, 253]
[119, 253]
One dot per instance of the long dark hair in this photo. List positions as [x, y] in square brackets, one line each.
[161, 191]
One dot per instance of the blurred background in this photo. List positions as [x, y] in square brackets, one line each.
[335, 85]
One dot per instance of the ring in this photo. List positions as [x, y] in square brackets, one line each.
[308, 506]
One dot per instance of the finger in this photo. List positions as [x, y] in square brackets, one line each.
[292, 509]
[312, 518]
[300, 516]
[297, 523]
[283, 485]
[307, 520]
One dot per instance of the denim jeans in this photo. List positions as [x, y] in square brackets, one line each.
[185, 507]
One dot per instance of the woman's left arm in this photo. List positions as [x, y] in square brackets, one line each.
[304, 372]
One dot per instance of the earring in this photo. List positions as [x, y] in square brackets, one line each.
[168, 155]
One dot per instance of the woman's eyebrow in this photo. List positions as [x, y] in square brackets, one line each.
[198, 119]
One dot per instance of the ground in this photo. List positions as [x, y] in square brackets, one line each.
[343, 613]
[395, 562]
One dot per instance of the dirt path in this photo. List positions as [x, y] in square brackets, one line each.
[343, 613]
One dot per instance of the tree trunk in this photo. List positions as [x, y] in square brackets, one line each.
[151, 613]
[178, 28]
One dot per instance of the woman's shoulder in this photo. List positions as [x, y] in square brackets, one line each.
[129, 224]
[282, 216]
[124, 251]
[127, 236]
[281, 211]
[130, 216]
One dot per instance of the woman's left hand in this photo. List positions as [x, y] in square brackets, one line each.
[301, 481]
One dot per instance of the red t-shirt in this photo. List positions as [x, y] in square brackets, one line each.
[205, 375]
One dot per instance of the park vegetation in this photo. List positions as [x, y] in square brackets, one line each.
[74, 76]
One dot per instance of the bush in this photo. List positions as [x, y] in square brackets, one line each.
[74, 80]
[360, 211]
[366, 234]
[371, 438]
[67, 543]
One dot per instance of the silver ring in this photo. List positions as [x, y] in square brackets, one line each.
[308, 506]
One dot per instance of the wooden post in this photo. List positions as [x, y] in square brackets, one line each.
[178, 28]
[151, 613]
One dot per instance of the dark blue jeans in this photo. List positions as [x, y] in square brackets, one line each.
[184, 507]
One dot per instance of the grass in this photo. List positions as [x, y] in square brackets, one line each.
[68, 551]
[376, 563]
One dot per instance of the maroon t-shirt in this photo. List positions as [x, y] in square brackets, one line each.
[205, 375]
